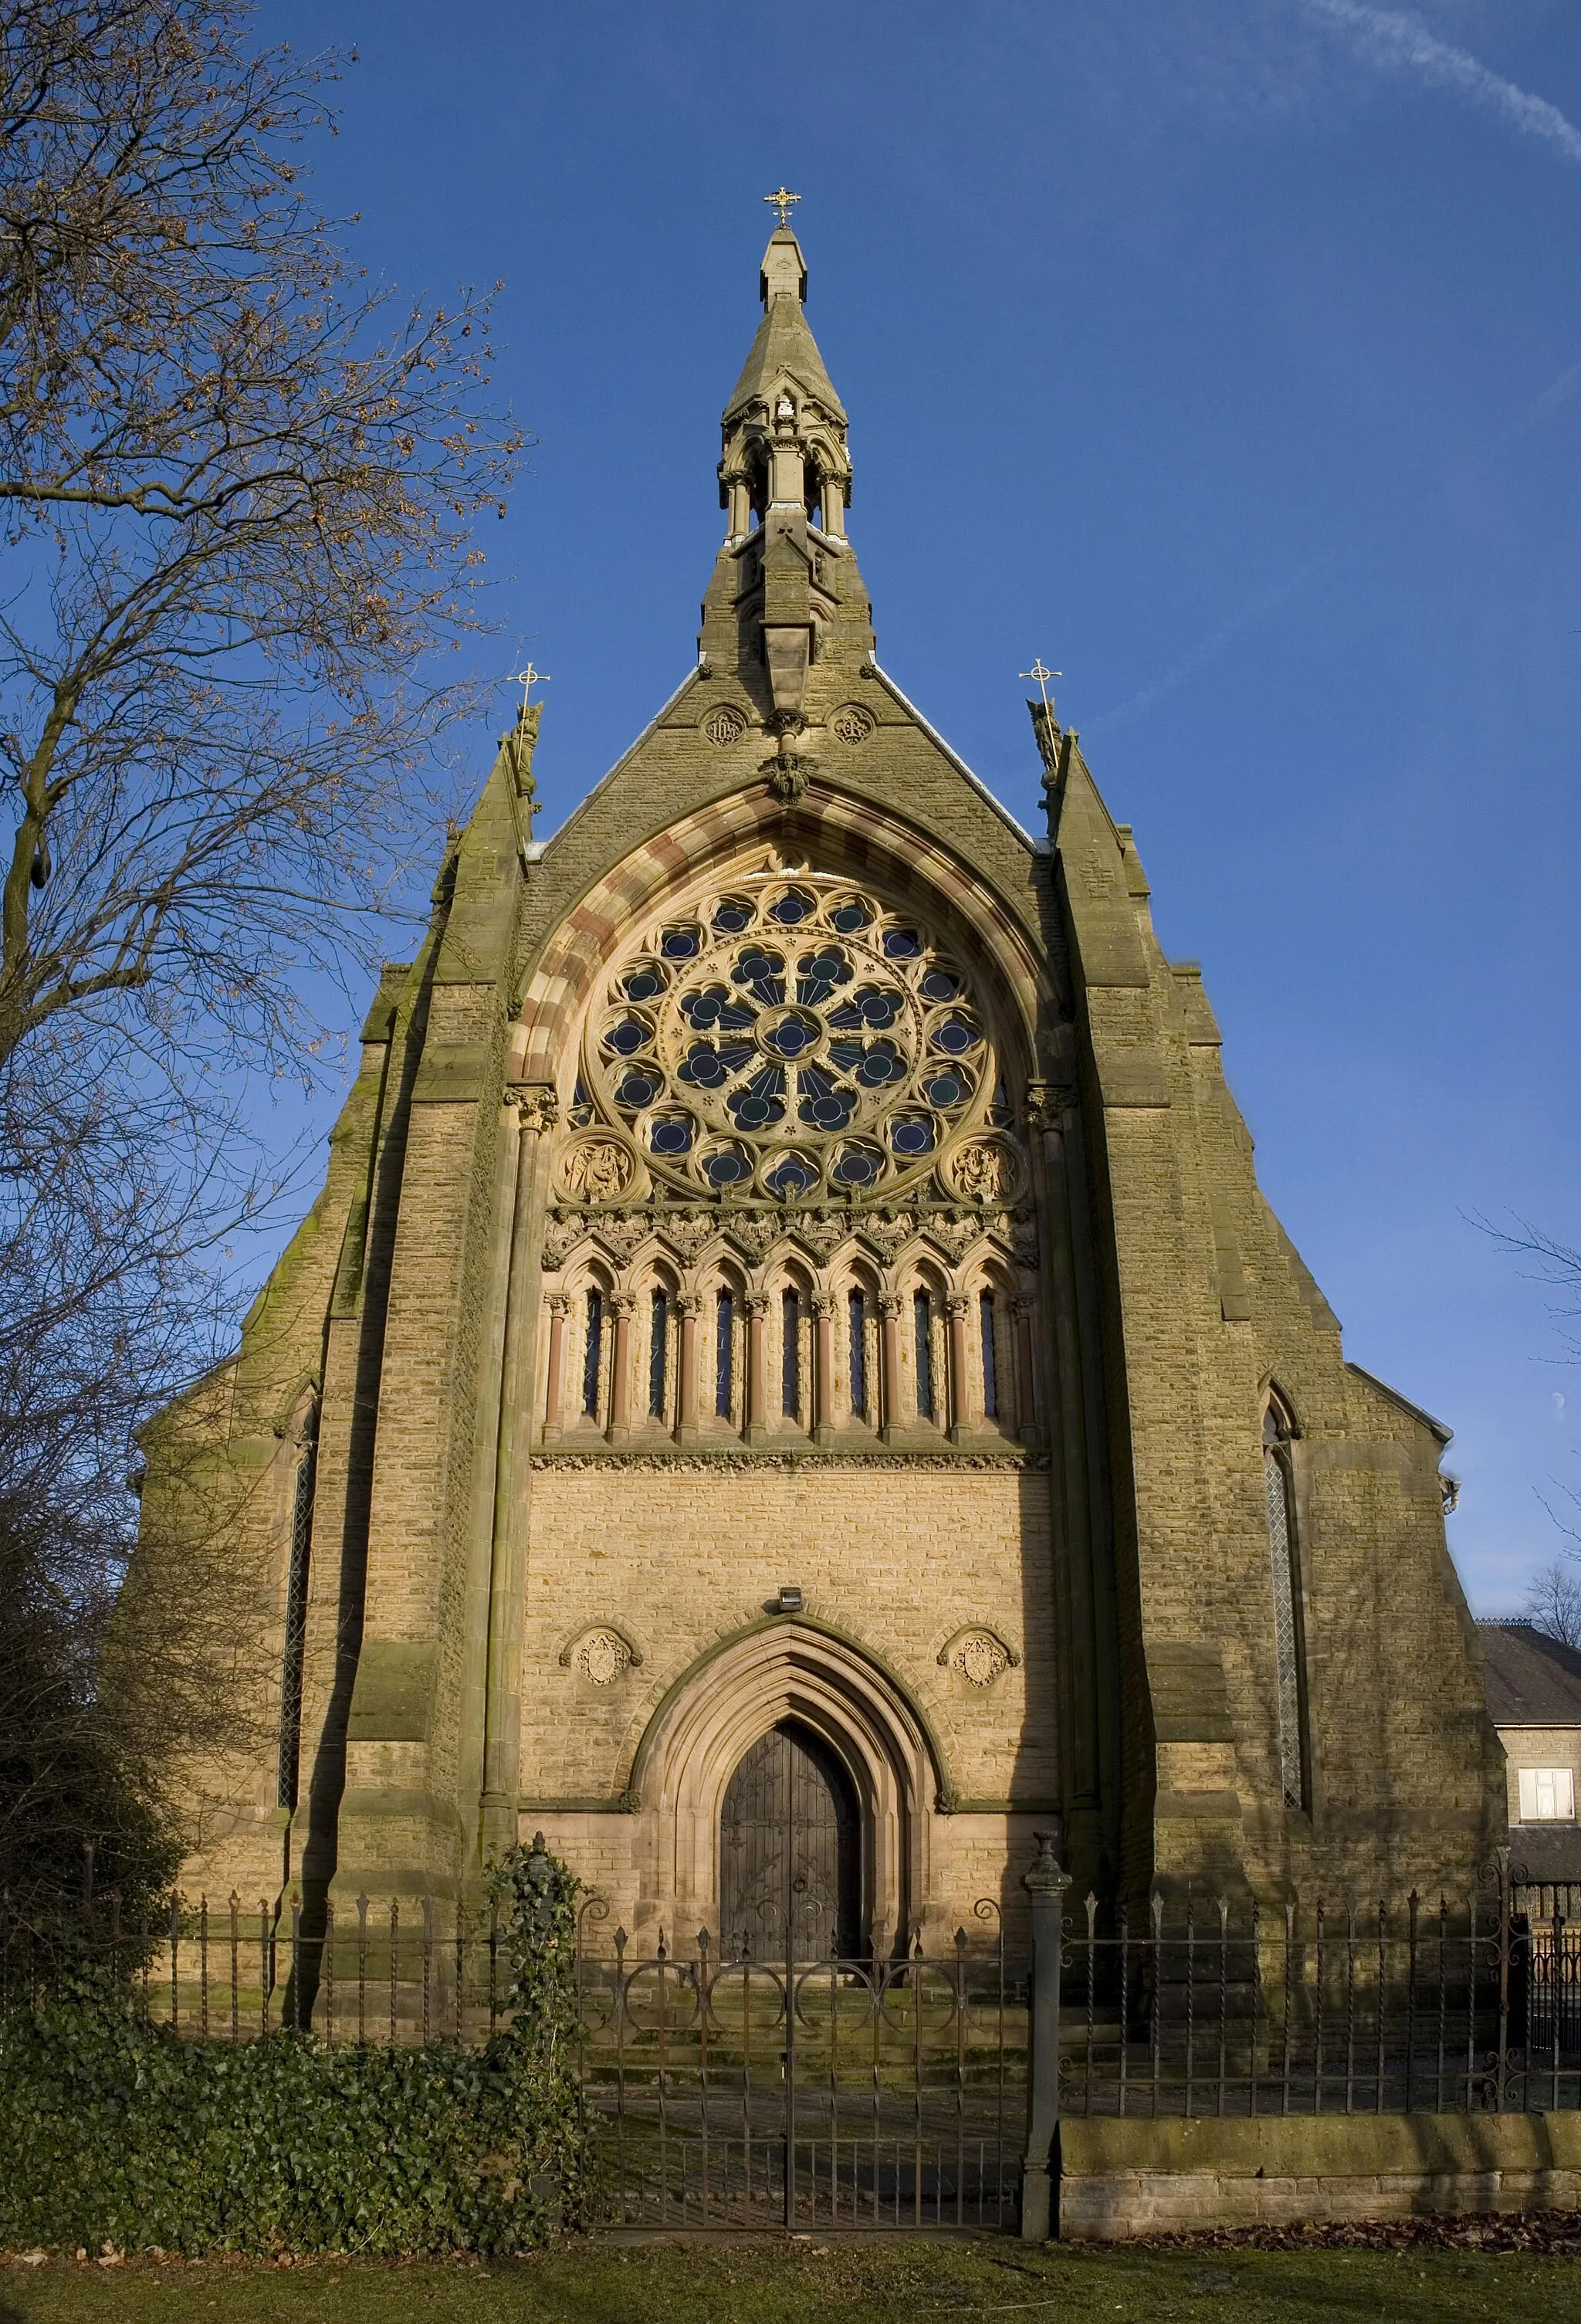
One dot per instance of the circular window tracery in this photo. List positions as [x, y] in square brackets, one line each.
[793, 1037]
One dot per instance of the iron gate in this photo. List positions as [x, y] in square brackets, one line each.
[735, 2092]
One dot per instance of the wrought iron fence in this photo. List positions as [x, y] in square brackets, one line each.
[392, 1972]
[1215, 2010]
[1203, 2005]
[725, 2091]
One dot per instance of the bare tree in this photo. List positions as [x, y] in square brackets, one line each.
[1553, 1602]
[238, 488]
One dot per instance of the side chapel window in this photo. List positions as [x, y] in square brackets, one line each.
[296, 1622]
[1284, 1572]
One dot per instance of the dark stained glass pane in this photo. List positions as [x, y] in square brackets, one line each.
[990, 1374]
[923, 1312]
[859, 1353]
[790, 1399]
[658, 1355]
[626, 1038]
[724, 1349]
[590, 1362]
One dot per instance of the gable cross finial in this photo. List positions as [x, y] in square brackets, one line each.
[782, 198]
[527, 678]
[1042, 677]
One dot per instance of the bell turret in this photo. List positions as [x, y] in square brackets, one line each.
[784, 428]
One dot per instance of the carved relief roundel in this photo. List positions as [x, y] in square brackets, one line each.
[851, 723]
[724, 725]
[598, 1170]
[794, 1037]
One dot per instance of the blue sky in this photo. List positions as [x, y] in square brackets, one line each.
[1226, 352]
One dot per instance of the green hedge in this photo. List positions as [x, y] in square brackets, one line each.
[119, 2131]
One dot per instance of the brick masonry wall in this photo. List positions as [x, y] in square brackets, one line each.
[683, 1557]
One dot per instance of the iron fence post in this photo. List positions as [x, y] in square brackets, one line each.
[1045, 1884]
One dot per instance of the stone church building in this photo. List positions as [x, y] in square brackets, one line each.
[790, 1384]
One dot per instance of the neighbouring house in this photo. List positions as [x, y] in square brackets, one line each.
[1534, 1700]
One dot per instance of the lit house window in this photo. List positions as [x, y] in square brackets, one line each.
[1547, 1795]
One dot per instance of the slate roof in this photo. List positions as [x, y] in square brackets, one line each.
[1532, 1681]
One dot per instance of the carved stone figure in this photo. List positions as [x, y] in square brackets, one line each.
[598, 1170]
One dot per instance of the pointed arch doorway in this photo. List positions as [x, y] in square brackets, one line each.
[791, 1853]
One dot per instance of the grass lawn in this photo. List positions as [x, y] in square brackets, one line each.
[775, 2283]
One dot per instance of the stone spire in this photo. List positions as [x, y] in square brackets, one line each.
[785, 462]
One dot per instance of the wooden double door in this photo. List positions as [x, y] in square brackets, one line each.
[791, 1851]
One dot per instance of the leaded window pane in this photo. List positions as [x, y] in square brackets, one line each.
[922, 1316]
[1287, 1669]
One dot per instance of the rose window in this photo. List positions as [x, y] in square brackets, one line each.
[794, 1038]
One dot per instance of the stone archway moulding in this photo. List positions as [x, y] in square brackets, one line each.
[785, 1668]
[837, 832]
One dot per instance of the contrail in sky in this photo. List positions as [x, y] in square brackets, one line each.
[1396, 42]
[1265, 601]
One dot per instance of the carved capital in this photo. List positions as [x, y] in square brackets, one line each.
[890, 1303]
[957, 1304]
[822, 1303]
[623, 1303]
[757, 1304]
[537, 1103]
[559, 1303]
[689, 1303]
[1047, 1103]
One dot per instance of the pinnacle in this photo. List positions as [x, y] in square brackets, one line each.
[783, 346]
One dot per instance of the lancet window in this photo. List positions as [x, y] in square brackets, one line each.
[1284, 1572]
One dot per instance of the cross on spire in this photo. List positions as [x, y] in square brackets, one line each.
[782, 199]
[527, 678]
[1042, 677]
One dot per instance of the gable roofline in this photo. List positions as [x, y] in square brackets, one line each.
[958, 763]
[697, 671]
[1440, 1428]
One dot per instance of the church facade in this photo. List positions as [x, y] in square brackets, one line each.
[790, 1384]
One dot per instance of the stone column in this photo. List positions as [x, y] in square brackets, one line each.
[1028, 1413]
[690, 1308]
[889, 1307]
[537, 1110]
[955, 1307]
[756, 1405]
[624, 1303]
[1045, 1884]
[823, 1368]
[1068, 1416]
[555, 1399]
